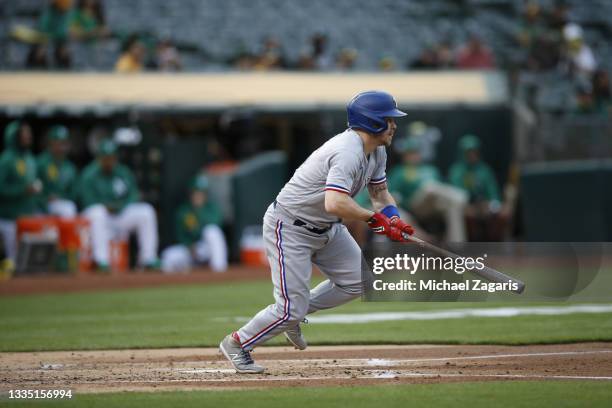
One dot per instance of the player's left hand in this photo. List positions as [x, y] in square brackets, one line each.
[401, 225]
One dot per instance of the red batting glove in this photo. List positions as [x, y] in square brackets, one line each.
[401, 225]
[395, 234]
[379, 223]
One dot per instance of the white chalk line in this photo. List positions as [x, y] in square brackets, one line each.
[208, 371]
[354, 362]
[370, 362]
[399, 374]
[360, 362]
[378, 362]
[346, 318]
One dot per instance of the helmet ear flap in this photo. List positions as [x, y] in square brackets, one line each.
[368, 123]
[376, 124]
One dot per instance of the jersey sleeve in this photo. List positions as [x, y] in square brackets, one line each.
[380, 173]
[343, 168]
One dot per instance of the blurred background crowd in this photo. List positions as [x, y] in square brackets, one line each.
[565, 39]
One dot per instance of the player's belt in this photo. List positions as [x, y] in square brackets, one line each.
[300, 223]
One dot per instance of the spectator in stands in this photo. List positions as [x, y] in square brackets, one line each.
[544, 54]
[110, 199]
[540, 43]
[558, 16]
[19, 185]
[58, 175]
[271, 56]
[531, 25]
[345, 60]
[54, 20]
[167, 56]
[445, 56]
[317, 57]
[37, 57]
[485, 215]
[54, 24]
[439, 56]
[420, 191]
[63, 57]
[132, 59]
[86, 21]
[200, 238]
[425, 60]
[387, 64]
[475, 55]
[578, 55]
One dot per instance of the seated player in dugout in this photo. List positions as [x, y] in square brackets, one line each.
[111, 203]
[419, 190]
[58, 175]
[19, 186]
[303, 226]
[198, 231]
[485, 215]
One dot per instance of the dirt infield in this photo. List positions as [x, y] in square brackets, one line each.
[183, 369]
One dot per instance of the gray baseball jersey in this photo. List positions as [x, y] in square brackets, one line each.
[339, 165]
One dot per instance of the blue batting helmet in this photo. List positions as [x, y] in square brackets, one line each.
[368, 111]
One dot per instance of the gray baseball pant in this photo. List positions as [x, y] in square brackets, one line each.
[291, 252]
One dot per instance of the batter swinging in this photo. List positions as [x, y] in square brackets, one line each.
[302, 227]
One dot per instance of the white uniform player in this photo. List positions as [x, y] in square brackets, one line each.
[303, 227]
[110, 198]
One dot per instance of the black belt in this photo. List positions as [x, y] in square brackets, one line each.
[300, 223]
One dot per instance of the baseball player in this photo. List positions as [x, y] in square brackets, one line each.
[58, 175]
[19, 185]
[303, 227]
[199, 233]
[110, 199]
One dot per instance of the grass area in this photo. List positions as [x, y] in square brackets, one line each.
[200, 315]
[480, 394]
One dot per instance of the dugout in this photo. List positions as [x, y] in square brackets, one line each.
[188, 121]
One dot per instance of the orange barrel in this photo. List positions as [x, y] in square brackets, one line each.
[74, 240]
[71, 232]
[120, 255]
[253, 257]
[252, 250]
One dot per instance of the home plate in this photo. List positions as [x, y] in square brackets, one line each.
[208, 371]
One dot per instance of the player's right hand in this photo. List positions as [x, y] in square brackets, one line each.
[379, 223]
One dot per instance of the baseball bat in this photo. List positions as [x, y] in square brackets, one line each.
[490, 274]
